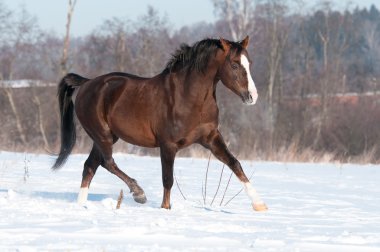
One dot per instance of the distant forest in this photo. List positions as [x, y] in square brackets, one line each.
[317, 72]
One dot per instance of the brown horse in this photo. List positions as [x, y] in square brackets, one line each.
[171, 111]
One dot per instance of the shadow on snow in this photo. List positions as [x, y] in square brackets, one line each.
[66, 196]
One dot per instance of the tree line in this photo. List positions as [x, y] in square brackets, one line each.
[317, 74]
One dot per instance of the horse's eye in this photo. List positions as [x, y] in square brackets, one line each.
[234, 66]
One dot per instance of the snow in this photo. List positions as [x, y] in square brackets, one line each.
[312, 207]
[25, 83]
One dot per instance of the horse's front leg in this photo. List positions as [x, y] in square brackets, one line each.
[167, 153]
[215, 143]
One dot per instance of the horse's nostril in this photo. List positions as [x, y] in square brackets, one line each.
[248, 98]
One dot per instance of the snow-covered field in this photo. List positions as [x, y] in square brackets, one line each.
[312, 207]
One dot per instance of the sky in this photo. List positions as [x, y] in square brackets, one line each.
[89, 14]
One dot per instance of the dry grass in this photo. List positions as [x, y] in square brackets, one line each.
[292, 152]
[369, 157]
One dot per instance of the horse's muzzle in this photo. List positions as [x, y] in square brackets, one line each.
[249, 98]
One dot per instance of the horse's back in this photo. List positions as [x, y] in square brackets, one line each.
[108, 87]
[123, 103]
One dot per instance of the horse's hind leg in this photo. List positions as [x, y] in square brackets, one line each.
[105, 147]
[138, 193]
[90, 166]
[104, 139]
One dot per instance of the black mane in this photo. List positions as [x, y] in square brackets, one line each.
[196, 56]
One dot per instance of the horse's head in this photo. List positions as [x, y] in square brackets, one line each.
[235, 72]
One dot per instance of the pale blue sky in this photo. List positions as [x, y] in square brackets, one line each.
[89, 14]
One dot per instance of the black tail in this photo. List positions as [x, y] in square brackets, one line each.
[66, 107]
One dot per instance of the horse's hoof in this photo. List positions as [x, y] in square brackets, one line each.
[140, 198]
[260, 207]
[167, 207]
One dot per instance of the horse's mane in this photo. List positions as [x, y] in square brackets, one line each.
[196, 56]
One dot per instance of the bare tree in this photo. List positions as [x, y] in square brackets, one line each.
[325, 39]
[277, 39]
[238, 14]
[372, 37]
[152, 44]
[20, 39]
[9, 94]
[115, 32]
[66, 43]
[41, 119]
[334, 42]
[5, 22]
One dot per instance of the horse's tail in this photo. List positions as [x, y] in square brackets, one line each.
[66, 107]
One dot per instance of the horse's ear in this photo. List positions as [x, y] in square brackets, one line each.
[225, 45]
[244, 42]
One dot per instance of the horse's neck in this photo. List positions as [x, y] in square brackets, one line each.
[208, 78]
[195, 85]
[200, 83]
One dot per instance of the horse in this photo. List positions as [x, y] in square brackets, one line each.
[171, 110]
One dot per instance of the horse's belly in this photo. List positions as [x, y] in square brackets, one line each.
[143, 141]
[134, 133]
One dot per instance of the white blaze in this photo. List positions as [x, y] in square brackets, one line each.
[251, 85]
